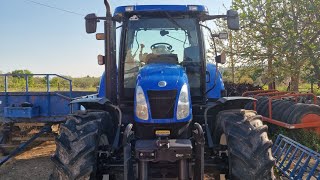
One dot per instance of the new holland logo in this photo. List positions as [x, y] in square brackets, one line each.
[162, 83]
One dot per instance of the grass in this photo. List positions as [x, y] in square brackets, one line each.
[52, 89]
[303, 87]
[305, 137]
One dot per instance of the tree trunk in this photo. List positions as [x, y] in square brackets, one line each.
[231, 57]
[271, 80]
[295, 77]
[317, 74]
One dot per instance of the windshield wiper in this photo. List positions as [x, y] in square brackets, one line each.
[177, 24]
[175, 38]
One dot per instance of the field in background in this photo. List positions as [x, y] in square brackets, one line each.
[39, 84]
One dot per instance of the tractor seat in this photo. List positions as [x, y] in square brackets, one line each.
[162, 58]
[191, 54]
[191, 59]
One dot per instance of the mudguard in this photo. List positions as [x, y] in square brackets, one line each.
[234, 102]
[215, 85]
[90, 102]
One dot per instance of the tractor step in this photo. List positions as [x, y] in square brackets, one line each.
[294, 160]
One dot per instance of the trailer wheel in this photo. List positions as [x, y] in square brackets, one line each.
[278, 112]
[249, 149]
[2, 139]
[2, 134]
[5, 133]
[302, 110]
[260, 105]
[286, 113]
[77, 144]
[249, 106]
[275, 105]
[265, 109]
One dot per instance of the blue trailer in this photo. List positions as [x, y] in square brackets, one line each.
[34, 109]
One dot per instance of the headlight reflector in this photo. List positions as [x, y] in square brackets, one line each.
[141, 104]
[183, 108]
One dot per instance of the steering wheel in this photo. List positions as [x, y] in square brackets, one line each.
[168, 46]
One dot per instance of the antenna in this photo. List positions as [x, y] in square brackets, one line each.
[53, 7]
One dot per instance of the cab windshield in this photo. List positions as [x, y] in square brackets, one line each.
[177, 37]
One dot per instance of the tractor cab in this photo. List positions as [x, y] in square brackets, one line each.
[162, 68]
[161, 39]
[161, 52]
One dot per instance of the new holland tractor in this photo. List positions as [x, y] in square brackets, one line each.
[160, 113]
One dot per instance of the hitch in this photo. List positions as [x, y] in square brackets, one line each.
[23, 146]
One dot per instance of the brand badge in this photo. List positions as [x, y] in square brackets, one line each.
[162, 84]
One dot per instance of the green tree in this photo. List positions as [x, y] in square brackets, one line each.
[279, 36]
[19, 77]
[1, 82]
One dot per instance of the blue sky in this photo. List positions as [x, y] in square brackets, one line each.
[46, 40]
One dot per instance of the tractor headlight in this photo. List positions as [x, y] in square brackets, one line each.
[183, 108]
[141, 104]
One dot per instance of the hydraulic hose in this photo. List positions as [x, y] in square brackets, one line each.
[115, 144]
[119, 111]
[209, 137]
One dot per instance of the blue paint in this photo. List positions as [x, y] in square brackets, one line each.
[46, 106]
[174, 75]
[219, 87]
[293, 159]
[102, 86]
[160, 8]
[21, 112]
[214, 93]
[59, 106]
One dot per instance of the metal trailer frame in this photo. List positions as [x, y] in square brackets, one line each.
[309, 121]
[294, 160]
[44, 100]
[51, 107]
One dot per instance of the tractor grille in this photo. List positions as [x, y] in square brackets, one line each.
[162, 103]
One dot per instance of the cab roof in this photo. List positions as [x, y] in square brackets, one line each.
[184, 9]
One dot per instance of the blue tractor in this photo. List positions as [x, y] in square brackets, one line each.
[160, 113]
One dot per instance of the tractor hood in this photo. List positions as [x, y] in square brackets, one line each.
[162, 84]
[159, 76]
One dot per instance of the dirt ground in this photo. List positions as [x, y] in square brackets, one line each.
[33, 164]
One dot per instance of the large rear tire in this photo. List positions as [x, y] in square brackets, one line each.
[76, 153]
[249, 149]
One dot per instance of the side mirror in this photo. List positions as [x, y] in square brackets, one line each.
[221, 58]
[91, 23]
[233, 20]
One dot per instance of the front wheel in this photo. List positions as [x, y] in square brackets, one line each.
[76, 153]
[249, 148]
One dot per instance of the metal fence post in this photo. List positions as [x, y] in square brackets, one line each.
[48, 83]
[6, 90]
[26, 77]
[5, 83]
[48, 94]
[70, 88]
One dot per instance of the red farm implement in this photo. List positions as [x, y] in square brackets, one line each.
[286, 109]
